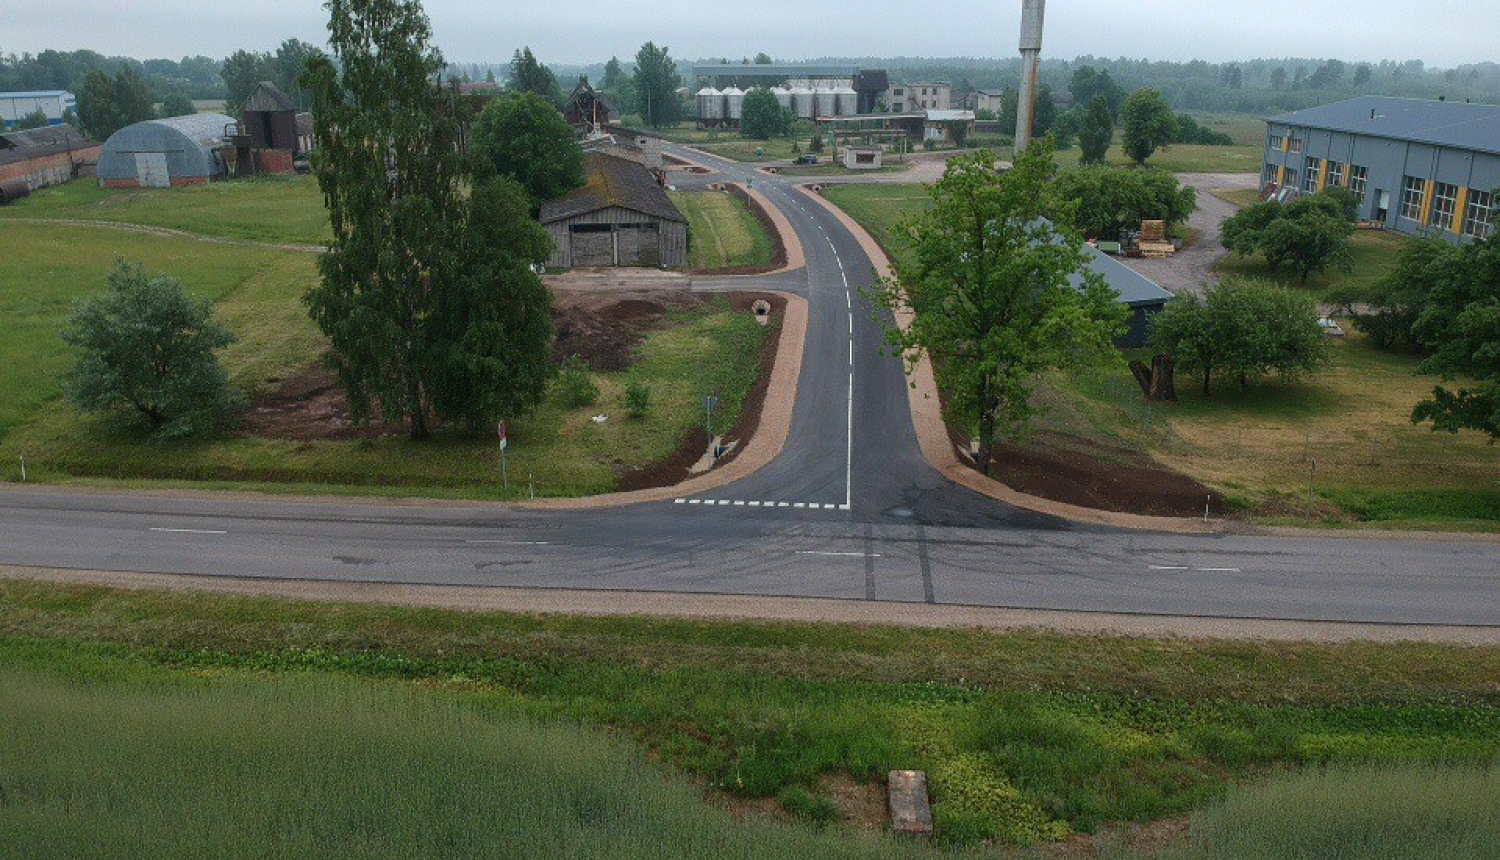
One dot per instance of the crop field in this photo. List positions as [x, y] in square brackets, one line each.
[1257, 446]
[1026, 737]
[258, 295]
[722, 234]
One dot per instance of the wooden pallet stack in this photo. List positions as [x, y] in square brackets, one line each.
[1154, 240]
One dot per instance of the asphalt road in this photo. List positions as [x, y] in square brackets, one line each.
[849, 510]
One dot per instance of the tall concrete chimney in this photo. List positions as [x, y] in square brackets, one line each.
[1032, 12]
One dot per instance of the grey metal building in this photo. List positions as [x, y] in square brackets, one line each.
[620, 217]
[161, 153]
[1419, 167]
[1136, 291]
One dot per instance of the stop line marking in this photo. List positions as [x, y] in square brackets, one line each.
[744, 503]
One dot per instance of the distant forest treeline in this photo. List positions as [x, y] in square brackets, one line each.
[1252, 86]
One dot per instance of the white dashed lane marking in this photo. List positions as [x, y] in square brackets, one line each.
[745, 503]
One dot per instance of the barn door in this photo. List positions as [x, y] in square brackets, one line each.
[151, 170]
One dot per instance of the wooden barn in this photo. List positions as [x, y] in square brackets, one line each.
[620, 217]
[587, 111]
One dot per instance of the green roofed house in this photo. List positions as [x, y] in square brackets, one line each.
[619, 217]
[1420, 167]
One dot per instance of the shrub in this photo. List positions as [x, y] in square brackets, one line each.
[148, 348]
[637, 399]
[575, 388]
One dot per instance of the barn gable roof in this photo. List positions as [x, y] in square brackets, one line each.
[612, 182]
[269, 98]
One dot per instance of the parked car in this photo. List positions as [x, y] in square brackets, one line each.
[806, 159]
[1330, 328]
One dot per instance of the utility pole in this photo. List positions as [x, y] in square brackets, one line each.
[1032, 12]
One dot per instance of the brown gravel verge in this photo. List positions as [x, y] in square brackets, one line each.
[536, 601]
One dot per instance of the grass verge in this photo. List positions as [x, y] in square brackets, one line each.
[722, 233]
[1025, 736]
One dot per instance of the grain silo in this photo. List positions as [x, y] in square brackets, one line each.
[734, 103]
[710, 105]
[803, 103]
[847, 101]
[827, 103]
[783, 97]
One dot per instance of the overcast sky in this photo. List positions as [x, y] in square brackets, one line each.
[1440, 32]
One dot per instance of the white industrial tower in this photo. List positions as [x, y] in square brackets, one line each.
[1032, 12]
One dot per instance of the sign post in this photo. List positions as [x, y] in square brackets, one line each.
[504, 470]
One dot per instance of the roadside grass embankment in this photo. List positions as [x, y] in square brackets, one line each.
[1257, 446]
[258, 296]
[722, 232]
[1026, 736]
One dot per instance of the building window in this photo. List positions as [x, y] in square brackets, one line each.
[1479, 216]
[1310, 182]
[1298, 144]
[1411, 198]
[1335, 174]
[1359, 177]
[1271, 170]
[1278, 141]
[898, 92]
[1291, 178]
[1444, 205]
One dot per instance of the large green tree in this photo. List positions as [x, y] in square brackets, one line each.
[1096, 132]
[108, 103]
[418, 274]
[990, 279]
[1311, 234]
[1110, 199]
[522, 136]
[178, 104]
[242, 71]
[148, 348]
[1146, 124]
[1089, 83]
[1242, 330]
[1459, 325]
[655, 85]
[763, 117]
[528, 75]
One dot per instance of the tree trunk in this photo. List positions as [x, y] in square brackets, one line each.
[986, 429]
[1206, 371]
[1144, 378]
[1163, 379]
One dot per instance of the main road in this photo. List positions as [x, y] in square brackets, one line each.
[850, 509]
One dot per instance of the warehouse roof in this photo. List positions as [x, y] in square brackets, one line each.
[39, 142]
[35, 94]
[774, 70]
[1134, 288]
[612, 181]
[1460, 126]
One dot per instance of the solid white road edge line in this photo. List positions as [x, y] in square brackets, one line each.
[192, 531]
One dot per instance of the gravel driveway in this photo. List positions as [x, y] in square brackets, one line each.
[1193, 267]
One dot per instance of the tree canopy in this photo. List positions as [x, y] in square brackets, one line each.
[989, 281]
[1147, 124]
[427, 294]
[178, 104]
[528, 75]
[148, 348]
[1311, 234]
[1089, 83]
[763, 117]
[1243, 329]
[1110, 199]
[109, 103]
[522, 136]
[1096, 131]
[655, 85]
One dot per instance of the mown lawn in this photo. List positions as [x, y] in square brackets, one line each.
[556, 452]
[1185, 158]
[1374, 465]
[722, 233]
[1374, 255]
[287, 209]
[1025, 736]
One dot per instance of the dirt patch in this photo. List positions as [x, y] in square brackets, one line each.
[861, 804]
[310, 406]
[1086, 473]
[1147, 839]
[604, 329]
[763, 218]
[694, 441]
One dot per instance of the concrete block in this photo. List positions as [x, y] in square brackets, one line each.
[911, 811]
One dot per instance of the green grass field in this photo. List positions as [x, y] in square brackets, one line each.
[1374, 465]
[107, 757]
[1025, 736]
[257, 294]
[1374, 253]
[1372, 813]
[722, 233]
[273, 209]
[1184, 158]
